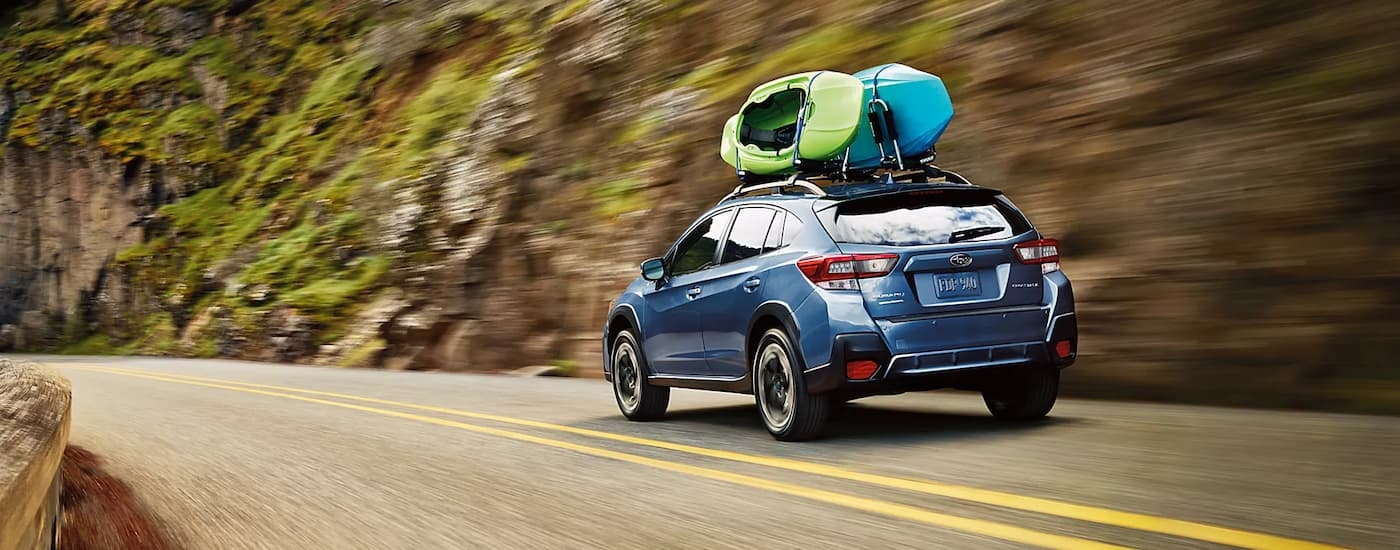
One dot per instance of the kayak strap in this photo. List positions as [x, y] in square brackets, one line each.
[882, 124]
[802, 119]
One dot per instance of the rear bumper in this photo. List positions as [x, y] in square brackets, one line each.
[941, 368]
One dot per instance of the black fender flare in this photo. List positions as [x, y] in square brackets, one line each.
[784, 316]
[628, 314]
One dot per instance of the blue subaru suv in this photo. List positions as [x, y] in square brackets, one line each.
[809, 297]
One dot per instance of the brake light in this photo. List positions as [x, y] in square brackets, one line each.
[840, 272]
[1045, 252]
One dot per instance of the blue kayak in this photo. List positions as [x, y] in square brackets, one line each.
[914, 102]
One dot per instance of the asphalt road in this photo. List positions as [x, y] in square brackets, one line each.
[271, 456]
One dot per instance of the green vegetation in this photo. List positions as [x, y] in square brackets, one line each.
[446, 103]
[567, 367]
[290, 120]
[640, 127]
[204, 5]
[618, 197]
[96, 344]
[299, 118]
[206, 346]
[103, 88]
[284, 163]
[571, 9]
[364, 355]
[157, 336]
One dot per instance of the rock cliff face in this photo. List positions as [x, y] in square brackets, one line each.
[463, 185]
[67, 212]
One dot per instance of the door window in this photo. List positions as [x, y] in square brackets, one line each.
[698, 249]
[750, 230]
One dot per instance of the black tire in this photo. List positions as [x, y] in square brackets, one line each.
[638, 399]
[787, 410]
[1028, 395]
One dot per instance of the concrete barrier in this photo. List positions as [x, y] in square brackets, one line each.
[35, 411]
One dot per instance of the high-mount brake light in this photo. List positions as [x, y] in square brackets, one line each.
[1045, 252]
[840, 272]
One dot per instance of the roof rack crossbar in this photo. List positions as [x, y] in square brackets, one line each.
[790, 182]
[928, 171]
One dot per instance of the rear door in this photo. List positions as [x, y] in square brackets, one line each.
[673, 316]
[736, 289]
[955, 249]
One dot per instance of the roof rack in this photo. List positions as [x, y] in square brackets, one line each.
[919, 170]
[795, 181]
[912, 169]
[926, 172]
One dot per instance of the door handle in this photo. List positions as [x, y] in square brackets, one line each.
[752, 284]
[693, 292]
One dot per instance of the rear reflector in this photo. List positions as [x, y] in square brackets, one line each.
[1062, 349]
[1045, 252]
[840, 272]
[861, 370]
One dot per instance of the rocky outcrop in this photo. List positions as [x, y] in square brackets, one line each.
[63, 221]
[452, 185]
[68, 205]
[35, 414]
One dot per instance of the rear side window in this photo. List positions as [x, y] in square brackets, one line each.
[775, 234]
[791, 227]
[783, 231]
[747, 237]
[911, 219]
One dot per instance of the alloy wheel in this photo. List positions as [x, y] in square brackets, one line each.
[627, 377]
[775, 392]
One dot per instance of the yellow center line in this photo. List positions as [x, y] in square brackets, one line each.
[1106, 516]
[874, 506]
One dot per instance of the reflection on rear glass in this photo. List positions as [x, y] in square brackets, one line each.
[932, 224]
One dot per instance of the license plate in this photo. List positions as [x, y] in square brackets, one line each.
[954, 285]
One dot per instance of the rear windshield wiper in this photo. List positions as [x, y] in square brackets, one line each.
[973, 233]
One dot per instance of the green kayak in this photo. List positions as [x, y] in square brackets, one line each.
[809, 116]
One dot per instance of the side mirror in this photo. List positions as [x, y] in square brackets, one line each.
[653, 269]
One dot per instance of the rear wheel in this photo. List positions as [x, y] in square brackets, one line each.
[1027, 395]
[637, 399]
[788, 411]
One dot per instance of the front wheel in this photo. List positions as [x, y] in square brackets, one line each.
[788, 411]
[1027, 395]
[638, 399]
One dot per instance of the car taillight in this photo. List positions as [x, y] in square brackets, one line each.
[841, 272]
[1045, 252]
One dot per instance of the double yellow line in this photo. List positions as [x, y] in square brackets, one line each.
[1104, 516]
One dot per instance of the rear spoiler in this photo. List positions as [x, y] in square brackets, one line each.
[909, 190]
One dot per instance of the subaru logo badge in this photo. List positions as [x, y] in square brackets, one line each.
[960, 260]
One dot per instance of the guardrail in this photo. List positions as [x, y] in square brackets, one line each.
[35, 414]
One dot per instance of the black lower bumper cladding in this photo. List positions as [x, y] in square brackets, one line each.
[1065, 328]
[891, 379]
[846, 348]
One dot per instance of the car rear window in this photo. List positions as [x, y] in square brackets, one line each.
[924, 218]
